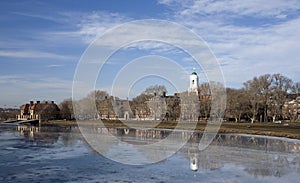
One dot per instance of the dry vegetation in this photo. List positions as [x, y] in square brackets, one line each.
[291, 130]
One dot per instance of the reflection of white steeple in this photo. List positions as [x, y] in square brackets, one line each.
[194, 163]
[193, 83]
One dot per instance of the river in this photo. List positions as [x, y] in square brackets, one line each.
[62, 154]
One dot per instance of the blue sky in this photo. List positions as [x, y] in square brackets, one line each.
[41, 42]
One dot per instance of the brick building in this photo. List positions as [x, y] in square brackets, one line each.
[42, 111]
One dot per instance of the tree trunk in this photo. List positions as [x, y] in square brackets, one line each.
[274, 118]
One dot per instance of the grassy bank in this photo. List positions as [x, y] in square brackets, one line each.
[291, 130]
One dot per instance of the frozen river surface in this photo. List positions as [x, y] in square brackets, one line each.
[60, 154]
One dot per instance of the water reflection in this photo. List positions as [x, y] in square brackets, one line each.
[257, 156]
[47, 135]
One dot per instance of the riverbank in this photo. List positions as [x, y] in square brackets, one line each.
[289, 130]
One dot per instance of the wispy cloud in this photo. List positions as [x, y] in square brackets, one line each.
[54, 65]
[42, 16]
[18, 89]
[91, 25]
[33, 54]
[82, 27]
[31, 82]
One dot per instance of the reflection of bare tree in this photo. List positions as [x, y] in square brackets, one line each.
[258, 155]
[277, 167]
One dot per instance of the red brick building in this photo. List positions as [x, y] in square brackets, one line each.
[42, 111]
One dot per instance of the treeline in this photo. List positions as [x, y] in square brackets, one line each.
[8, 113]
[260, 99]
[263, 99]
[107, 106]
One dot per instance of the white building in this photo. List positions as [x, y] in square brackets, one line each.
[194, 80]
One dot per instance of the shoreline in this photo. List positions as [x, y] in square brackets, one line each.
[292, 130]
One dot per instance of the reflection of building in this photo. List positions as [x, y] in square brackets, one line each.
[259, 155]
[29, 131]
[194, 162]
[39, 111]
[48, 134]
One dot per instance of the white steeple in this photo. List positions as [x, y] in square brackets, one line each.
[193, 83]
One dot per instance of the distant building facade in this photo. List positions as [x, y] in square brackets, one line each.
[180, 106]
[184, 106]
[291, 109]
[42, 111]
[190, 102]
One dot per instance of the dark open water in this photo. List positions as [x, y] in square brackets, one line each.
[60, 154]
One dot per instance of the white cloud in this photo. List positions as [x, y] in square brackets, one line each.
[257, 8]
[240, 48]
[266, 41]
[244, 48]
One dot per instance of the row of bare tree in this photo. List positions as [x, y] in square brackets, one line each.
[260, 99]
[263, 98]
